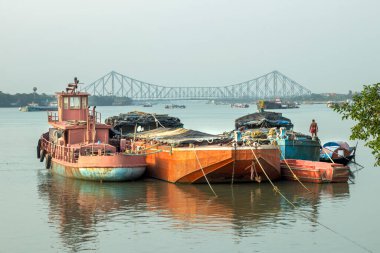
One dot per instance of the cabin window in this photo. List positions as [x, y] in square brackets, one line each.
[84, 102]
[74, 102]
[65, 103]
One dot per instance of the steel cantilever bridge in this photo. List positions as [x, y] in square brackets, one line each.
[269, 86]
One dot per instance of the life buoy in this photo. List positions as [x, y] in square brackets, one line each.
[42, 155]
[39, 149]
[48, 161]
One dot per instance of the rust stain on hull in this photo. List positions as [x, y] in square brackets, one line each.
[98, 174]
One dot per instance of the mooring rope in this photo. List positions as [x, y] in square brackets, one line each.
[204, 174]
[332, 161]
[156, 120]
[233, 164]
[276, 189]
[291, 170]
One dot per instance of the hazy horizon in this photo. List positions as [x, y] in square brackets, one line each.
[326, 46]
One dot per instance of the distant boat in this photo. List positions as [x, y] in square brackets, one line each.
[337, 151]
[240, 105]
[34, 107]
[276, 104]
[173, 106]
[332, 104]
[147, 105]
[314, 172]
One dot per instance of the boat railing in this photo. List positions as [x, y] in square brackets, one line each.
[72, 154]
[52, 116]
[96, 150]
[67, 154]
[97, 116]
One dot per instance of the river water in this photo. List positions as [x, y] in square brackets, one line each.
[41, 212]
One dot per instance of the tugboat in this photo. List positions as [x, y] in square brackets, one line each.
[78, 145]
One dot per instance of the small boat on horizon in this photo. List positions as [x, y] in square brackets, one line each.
[276, 104]
[173, 106]
[240, 105]
[147, 105]
[78, 145]
[34, 107]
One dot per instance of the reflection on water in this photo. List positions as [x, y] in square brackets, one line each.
[77, 207]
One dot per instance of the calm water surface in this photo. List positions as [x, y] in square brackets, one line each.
[44, 213]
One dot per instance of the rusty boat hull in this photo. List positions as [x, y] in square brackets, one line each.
[220, 164]
[314, 172]
[111, 169]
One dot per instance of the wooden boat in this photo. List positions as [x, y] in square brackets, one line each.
[314, 172]
[77, 144]
[188, 156]
[337, 152]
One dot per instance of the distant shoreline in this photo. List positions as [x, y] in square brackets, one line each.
[23, 99]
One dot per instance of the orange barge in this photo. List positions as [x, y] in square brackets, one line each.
[197, 160]
[314, 172]
[77, 144]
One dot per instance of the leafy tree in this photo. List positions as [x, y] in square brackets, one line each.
[365, 110]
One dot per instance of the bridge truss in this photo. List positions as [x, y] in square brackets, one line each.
[269, 86]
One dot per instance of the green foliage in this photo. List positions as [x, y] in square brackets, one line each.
[365, 110]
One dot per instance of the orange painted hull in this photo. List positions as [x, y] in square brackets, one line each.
[219, 163]
[315, 172]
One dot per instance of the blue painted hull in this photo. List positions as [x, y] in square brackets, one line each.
[98, 174]
[304, 149]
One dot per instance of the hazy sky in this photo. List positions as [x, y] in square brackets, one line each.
[325, 45]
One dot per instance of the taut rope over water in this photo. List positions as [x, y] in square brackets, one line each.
[233, 164]
[204, 174]
[294, 175]
[276, 189]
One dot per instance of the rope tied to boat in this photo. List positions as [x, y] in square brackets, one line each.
[204, 174]
[275, 188]
[312, 219]
[274, 143]
[156, 120]
[233, 163]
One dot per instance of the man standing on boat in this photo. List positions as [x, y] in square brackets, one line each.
[313, 128]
